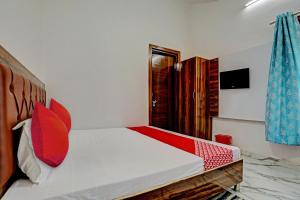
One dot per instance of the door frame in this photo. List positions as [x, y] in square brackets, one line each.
[152, 49]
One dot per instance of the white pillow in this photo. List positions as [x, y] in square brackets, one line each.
[36, 170]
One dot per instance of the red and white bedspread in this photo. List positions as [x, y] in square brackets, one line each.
[213, 154]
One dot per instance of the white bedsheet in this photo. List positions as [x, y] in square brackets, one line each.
[235, 150]
[109, 163]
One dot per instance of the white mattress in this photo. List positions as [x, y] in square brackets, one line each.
[109, 163]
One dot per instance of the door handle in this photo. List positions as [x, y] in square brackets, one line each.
[154, 103]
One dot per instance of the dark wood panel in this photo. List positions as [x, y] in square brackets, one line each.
[213, 87]
[201, 186]
[161, 120]
[177, 99]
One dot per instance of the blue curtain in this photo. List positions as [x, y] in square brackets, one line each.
[283, 96]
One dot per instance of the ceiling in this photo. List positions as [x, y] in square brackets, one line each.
[199, 1]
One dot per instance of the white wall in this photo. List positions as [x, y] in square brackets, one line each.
[20, 33]
[225, 29]
[247, 103]
[96, 55]
[250, 137]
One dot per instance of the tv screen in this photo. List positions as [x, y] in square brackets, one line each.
[235, 79]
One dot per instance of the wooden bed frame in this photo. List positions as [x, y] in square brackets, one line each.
[200, 186]
[19, 89]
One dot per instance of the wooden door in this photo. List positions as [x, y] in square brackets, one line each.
[161, 87]
[162, 91]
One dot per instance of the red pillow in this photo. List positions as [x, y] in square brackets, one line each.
[61, 112]
[49, 136]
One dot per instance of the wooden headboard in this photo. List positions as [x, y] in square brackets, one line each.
[19, 90]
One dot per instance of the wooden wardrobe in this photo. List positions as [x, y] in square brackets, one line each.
[196, 96]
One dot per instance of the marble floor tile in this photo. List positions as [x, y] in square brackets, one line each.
[269, 179]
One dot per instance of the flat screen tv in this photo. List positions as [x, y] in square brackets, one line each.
[235, 79]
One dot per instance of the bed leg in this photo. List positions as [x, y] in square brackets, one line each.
[236, 187]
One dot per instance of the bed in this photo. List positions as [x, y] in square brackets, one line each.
[116, 163]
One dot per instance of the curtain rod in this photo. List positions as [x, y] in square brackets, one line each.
[295, 14]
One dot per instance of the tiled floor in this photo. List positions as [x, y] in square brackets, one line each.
[269, 179]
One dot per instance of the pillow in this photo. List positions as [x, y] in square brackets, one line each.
[61, 112]
[49, 136]
[36, 170]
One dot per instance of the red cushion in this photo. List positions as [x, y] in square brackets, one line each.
[62, 113]
[224, 139]
[49, 136]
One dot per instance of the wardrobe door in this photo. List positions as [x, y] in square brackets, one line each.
[186, 97]
[200, 98]
[213, 87]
